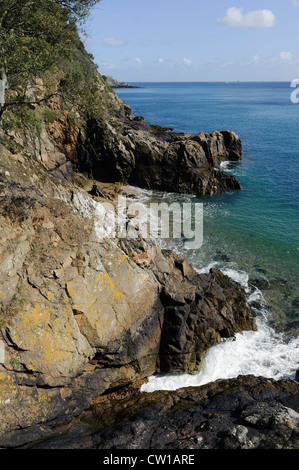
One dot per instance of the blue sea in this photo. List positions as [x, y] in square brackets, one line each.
[253, 234]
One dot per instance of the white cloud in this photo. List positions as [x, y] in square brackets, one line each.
[107, 65]
[187, 61]
[253, 61]
[113, 42]
[286, 56]
[253, 19]
[137, 60]
[160, 60]
[226, 64]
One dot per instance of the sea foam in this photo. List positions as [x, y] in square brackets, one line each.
[260, 353]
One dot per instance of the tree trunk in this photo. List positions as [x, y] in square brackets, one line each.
[3, 88]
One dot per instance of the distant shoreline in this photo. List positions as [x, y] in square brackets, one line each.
[112, 83]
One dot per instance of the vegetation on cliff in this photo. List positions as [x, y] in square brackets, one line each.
[41, 55]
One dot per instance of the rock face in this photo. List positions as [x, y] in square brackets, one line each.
[214, 308]
[242, 413]
[199, 309]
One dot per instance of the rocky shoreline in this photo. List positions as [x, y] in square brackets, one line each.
[153, 157]
[84, 320]
[243, 413]
[106, 315]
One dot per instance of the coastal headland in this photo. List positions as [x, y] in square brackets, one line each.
[86, 319]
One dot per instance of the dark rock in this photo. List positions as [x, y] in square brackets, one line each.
[199, 310]
[231, 417]
[139, 154]
[96, 191]
[154, 310]
[222, 257]
[256, 305]
[227, 414]
[139, 119]
[233, 145]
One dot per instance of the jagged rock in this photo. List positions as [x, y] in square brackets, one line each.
[199, 310]
[275, 416]
[261, 283]
[81, 313]
[167, 161]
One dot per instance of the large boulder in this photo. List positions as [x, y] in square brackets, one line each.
[199, 309]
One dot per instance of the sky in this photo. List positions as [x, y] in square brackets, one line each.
[194, 40]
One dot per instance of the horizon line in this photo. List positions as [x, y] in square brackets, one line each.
[210, 81]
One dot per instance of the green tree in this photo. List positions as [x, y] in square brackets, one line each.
[79, 8]
[34, 36]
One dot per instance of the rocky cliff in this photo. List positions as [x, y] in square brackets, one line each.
[81, 315]
[110, 145]
[152, 157]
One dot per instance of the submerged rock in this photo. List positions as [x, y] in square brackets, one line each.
[261, 283]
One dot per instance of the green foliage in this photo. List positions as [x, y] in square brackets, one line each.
[23, 118]
[78, 8]
[11, 122]
[49, 116]
[34, 36]
[41, 55]
[83, 86]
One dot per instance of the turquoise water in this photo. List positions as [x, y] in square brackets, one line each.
[254, 232]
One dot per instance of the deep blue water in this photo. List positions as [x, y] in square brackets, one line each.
[257, 229]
